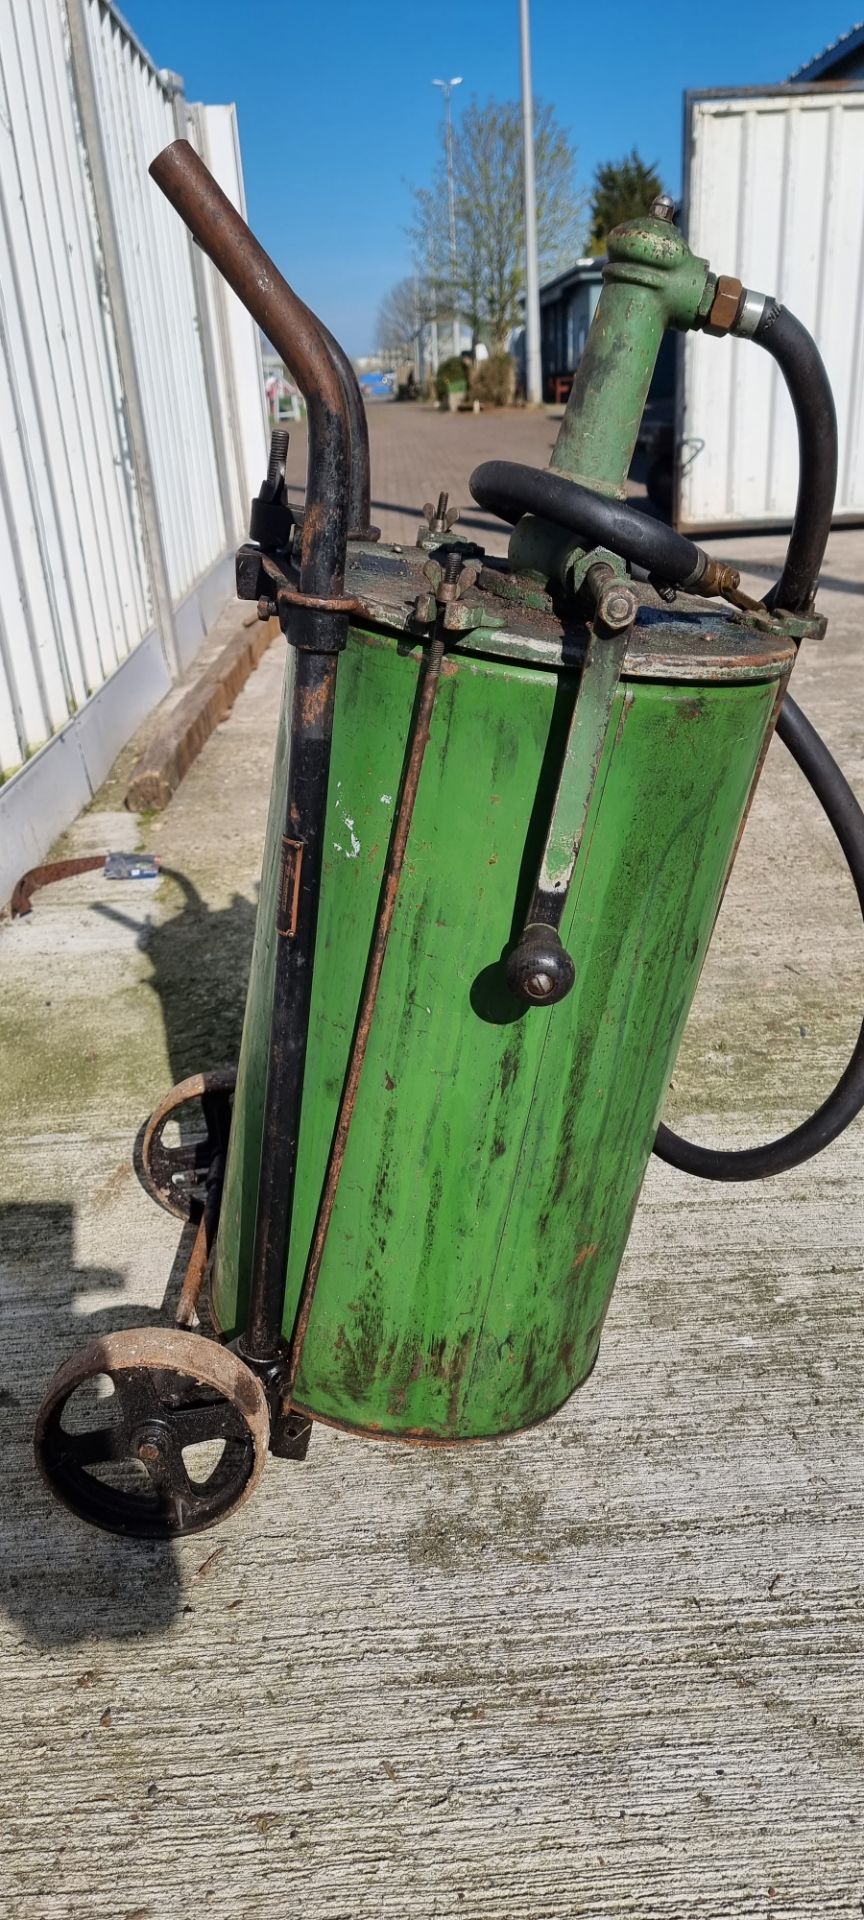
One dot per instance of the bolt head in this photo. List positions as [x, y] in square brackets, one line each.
[148, 1444]
[617, 608]
[663, 208]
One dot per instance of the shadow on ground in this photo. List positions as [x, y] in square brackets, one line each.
[101, 1588]
[199, 960]
[104, 1587]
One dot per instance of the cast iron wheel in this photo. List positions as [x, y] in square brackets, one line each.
[175, 1176]
[118, 1457]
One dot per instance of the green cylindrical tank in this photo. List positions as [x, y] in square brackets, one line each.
[497, 1151]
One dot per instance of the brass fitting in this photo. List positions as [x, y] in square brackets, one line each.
[723, 311]
[717, 579]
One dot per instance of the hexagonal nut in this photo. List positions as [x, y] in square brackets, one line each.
[724, 307]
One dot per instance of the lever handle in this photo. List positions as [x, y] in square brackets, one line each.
[539, 970]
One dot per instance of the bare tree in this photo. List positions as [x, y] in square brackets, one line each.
[490, 219]
[399, 318]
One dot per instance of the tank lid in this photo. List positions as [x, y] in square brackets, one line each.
[692, 640]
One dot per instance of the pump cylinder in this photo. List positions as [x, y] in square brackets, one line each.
[497, 1150]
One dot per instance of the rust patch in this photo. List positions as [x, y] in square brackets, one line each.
[565, 1353]
[289, 887]
[312, 704]
[314, 521]
[458, 1363]
[626, 707]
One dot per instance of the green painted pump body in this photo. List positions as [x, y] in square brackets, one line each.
[497, 1151]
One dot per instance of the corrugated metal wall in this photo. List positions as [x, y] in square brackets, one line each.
[137, 116]
[74, 596]
[773, 194]
[83, 649]
[240, 403]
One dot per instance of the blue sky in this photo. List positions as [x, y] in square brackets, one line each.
[338, 116]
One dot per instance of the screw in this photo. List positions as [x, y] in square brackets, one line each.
[539, 985]
[663, 208]
[278, 457]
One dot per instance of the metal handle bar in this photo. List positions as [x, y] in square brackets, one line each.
[296, 335]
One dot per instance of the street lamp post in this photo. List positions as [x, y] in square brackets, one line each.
[533, 369]
[447, 89]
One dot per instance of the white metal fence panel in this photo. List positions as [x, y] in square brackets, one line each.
[240, 375]
[73, 587]
[137, 116]
[132, 424]
[773, 194]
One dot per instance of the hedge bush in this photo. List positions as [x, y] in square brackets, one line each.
[451, 377]
[494, 381]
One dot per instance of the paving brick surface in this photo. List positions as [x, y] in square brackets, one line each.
[417, 452]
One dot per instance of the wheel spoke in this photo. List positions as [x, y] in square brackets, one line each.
[213, 1420]
[96, 1447]
[137, 1398]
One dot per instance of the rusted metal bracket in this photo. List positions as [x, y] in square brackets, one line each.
[115, 866]
[431, 675]
[37, 877]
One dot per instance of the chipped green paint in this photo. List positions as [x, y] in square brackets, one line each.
[600, 675]
[497, 1152]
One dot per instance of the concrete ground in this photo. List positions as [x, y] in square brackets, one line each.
[612, 1667]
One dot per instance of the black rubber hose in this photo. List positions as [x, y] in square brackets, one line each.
[801, 365]
[509, 490]
[836, 1113]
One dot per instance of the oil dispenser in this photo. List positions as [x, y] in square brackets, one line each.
[505, 802]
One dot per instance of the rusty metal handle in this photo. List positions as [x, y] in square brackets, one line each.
[296, 335]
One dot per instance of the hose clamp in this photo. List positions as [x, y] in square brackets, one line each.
[750, 313]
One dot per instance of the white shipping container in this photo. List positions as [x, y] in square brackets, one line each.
[773, 193]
